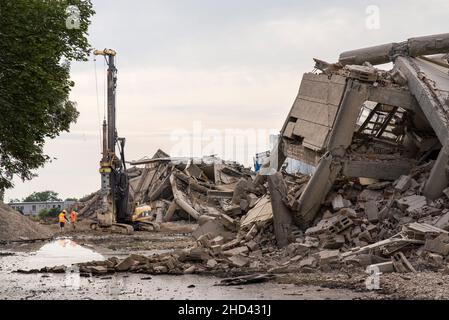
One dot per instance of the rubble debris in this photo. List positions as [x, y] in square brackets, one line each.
[438, 245]
[443, 221]
[401, 264]
[384, 267]
[403, 183]
[412, 203]
[262, 212]
[372, 212]
[256, 278]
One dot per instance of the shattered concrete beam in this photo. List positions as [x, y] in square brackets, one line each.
[180, 201]
[430, 106]
[393, 97]
[384, 170]
[385, 53]
[171, 211]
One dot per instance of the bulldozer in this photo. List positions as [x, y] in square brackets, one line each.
[118, 212]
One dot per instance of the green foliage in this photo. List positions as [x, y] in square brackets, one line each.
[36, 48]
[48, 214]
[42, 197]
[71, 199]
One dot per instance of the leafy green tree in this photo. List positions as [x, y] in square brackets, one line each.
[42, 197]
[71, 199]
[38, 40]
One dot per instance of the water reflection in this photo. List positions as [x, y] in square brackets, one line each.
[61, 252]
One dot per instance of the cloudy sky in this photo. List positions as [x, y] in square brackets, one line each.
[211, 67]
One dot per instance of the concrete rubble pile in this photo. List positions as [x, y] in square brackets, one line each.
[182, 188]
[379, 196]
[382, 224]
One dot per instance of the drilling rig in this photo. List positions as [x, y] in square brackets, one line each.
[116, 205]
[118, 211]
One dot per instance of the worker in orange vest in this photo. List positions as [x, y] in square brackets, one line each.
[73, 218]
[62, 220]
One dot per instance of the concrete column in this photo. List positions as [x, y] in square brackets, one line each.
[316, 190]
[439, 176]
[282, 217]
[346, 120]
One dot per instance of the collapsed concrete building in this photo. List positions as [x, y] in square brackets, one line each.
[406, 111]
[379, 196]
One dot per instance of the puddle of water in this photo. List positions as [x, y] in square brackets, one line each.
[61, 252]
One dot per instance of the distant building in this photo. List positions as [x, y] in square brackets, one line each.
[33, 208]
[292, 165]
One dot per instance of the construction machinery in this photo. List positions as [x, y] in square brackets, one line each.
[118, 212]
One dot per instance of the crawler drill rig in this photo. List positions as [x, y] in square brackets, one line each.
[116, 210]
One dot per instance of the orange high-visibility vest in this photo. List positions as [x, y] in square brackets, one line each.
[73, 216]
[62, 217]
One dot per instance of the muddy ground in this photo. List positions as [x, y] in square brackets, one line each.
[83, 245]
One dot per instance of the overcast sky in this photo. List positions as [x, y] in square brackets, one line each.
[218, 65]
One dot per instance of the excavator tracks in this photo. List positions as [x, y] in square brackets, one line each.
[115, 228]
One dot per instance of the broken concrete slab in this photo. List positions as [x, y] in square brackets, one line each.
[401, 263]
[228, 222]
[239, 260]
[443, 221]
[261, 213]
[412, 203]
[253, 245]
[212, 263]
[129, 262]
[422, 231]
[370, 195]
[384, 267]
[236, 251]
[338, 203]
[372, 211]
[215, 228]
[328, 256]
[403, 183]
[438, 245]
[333, 225]
[334, 242]
[309, 262]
